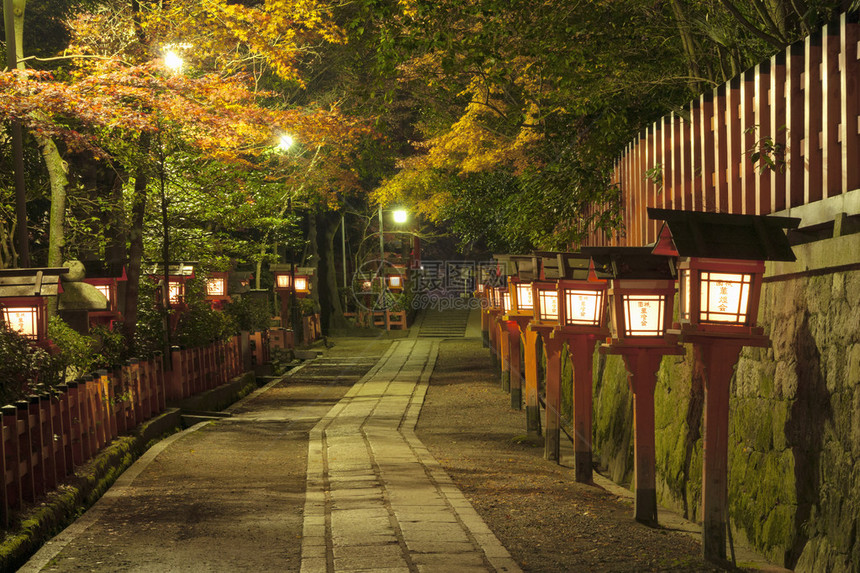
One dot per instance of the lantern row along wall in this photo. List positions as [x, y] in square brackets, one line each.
[804, 100]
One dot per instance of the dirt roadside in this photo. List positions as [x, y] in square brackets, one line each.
[547, 521]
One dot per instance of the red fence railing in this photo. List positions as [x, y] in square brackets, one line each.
[800, 109]
[46, 437]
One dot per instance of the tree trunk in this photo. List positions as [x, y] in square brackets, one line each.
[332, 312]
[135, 249]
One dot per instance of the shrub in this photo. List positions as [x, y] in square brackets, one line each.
[199, 325]
[249, 313]
[21, 365]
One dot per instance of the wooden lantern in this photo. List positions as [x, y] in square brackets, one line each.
[23, 297]
[721, 263]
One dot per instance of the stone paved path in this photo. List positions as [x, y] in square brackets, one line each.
[376, 499]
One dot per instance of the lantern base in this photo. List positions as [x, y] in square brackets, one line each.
[533, 421]
[745, 335]
[552, 444]
[516, 398]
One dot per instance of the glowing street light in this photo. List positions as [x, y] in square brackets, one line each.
[400, 216]
[173, 61]
[285, 142]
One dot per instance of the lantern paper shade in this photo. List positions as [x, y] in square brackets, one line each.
[175, 291]
[283, 281]
[216, 287]
[394, 282]
[583, 307]
[548, 303]
[23, 319]
[643, 314]
[506, 300]
[301, 284]
[724, 297]
[105, 290]
[524, 296]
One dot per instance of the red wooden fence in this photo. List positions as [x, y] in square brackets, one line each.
[803, 103]
[46, 437]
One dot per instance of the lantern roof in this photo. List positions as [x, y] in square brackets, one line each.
[569, 265]
[31, 282]
[176, 269]
[286, 267]
[723, 235]
[631, 263]
[100, 269]
[521, 266]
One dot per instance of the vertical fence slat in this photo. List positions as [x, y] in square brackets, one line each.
[746, 134]
[831, 155]
[25, 459]
[795, 125]
[779, 129]
[763, 129]
[11, 459]
[812, 111]
[850, 108]
[48, 461]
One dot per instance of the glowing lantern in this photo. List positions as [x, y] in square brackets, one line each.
[506, 300]
[302, 284]
[175, 291]
[282, 281]
[545, 295]
[216, 286]
[641, 295]
[23, 319]
[23, 296]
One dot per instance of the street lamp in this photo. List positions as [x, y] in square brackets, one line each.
[640, 300]
[721, 263]
[173, 61]
[518, 312]
[400, 216]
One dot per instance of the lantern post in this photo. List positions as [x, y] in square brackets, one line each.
[518, 313]
[641, 297]
[546, 316]
[721, 264]
[582, 322]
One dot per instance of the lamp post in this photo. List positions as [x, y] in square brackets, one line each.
[546, 315]
[582, 322]
[519, 311]
[721, 264]
[570, 311]
[641, 296]
[399, 216]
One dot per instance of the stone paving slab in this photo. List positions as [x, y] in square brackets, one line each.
[376, 498]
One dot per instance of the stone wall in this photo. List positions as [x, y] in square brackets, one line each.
[794, 422]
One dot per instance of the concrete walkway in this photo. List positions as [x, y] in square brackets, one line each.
[376, 499]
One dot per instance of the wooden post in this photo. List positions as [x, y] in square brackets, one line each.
[515, 376]
[12, 491]
[717, 359]
[581, 348]
[504, 356]
[552, 439]
[531, 383]
[485, 327]
[494, 343]
[642, 365]
[28, 487]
